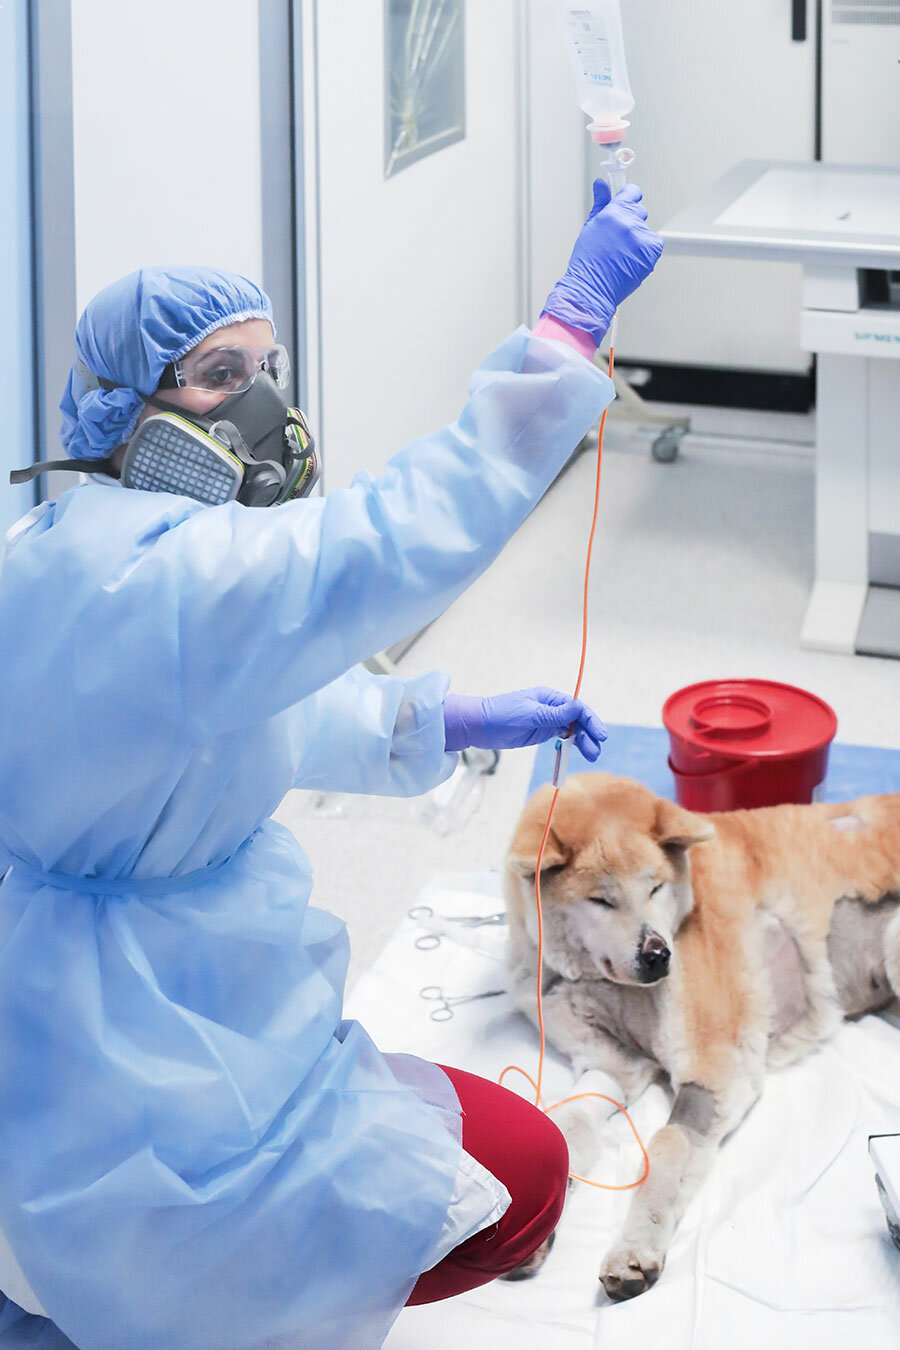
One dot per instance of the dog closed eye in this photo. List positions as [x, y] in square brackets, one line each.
[658, 887]
[601, 900]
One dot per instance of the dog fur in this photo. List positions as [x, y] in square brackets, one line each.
[776, 923]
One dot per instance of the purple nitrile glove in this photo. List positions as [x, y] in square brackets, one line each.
[615, 251]
[525, 717]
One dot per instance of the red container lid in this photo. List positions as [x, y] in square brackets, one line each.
[749, 719]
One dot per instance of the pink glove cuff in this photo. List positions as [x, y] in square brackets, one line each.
[548, 327]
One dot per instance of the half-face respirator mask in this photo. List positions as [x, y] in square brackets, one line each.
[251, 448]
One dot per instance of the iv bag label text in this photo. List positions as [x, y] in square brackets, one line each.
[591, 46]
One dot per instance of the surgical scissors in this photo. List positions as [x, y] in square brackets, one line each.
[428, 941]
[433, 993]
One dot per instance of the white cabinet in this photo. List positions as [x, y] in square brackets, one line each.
[715, 83]
[861, 81]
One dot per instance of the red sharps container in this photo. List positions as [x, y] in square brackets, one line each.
[744, 743]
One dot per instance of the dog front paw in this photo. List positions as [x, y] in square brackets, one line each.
[580, 1123]
[630, 1270]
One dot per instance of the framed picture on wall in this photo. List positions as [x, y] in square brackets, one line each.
[425, 79]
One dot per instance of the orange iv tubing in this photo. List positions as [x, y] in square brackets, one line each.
[514, 1068]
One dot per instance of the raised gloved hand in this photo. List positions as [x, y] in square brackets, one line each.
[526, 717]
[613, 254]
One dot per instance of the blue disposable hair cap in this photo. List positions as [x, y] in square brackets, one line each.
[131, 331]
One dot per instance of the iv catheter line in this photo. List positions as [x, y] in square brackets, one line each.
[561, 748]
[616, 169]
[590, 547]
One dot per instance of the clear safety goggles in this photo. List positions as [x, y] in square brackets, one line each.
[227, 370]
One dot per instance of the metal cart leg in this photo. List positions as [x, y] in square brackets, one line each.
[630, 407]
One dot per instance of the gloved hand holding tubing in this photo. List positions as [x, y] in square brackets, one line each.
[615, 251]
[525, 717]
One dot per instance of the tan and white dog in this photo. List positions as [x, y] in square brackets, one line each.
[710, 948]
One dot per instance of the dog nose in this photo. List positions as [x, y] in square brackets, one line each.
[654, 958]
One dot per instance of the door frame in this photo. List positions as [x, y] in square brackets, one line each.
[53, 232]
[16, 275]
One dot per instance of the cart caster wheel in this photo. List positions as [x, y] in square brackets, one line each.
[667, 445]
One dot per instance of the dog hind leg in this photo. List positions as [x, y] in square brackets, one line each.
[892, 953]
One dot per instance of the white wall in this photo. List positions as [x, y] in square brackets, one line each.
[418, 272]
[166, 121]
[558, 146]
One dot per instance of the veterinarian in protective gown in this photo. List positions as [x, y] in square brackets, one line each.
[195, 1148]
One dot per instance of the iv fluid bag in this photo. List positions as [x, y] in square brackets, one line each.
[593, 34]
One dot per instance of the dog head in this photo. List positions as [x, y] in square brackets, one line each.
[615, 879]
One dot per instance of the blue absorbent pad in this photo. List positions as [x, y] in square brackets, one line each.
[643, 753]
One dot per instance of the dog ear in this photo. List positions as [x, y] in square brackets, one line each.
[677, 828]
[523, 852]
[525, 863]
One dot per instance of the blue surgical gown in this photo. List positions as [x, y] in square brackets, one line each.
[196, 1149]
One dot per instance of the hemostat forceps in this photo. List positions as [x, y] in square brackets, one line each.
[428, 941]
[433, 993]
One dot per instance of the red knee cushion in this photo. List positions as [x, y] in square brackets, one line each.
[522, 1148]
